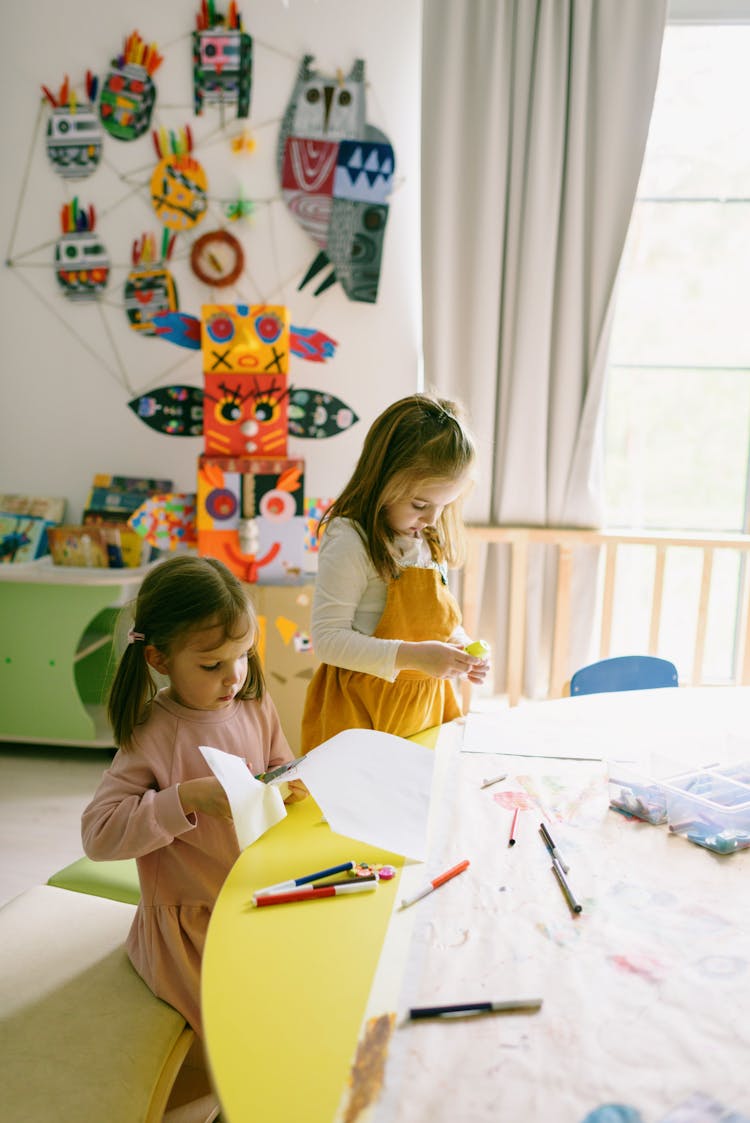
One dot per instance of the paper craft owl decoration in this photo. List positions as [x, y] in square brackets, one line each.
[336, 174]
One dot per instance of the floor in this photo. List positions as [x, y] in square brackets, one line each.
[43, 791]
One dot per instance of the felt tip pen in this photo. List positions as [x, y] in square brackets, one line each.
[322, 885]
[512, 836]
[575, 906]
[435, 883]
[462, 1008]
[311, 894]
[316, 876]
[553, 851]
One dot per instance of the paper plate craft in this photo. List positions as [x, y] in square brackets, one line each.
[222, 60]
[245, 415]
[315, 414]
[128, 93]
[150, 288]
[179, 185]
[336, 173]
[216, 258]
[176, 411]
[74, 135]
[245, 339]
[81, 261]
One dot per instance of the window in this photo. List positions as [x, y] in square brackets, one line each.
[677, 429]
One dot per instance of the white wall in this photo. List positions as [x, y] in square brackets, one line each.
[68, 371]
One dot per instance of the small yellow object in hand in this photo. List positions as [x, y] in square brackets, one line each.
[479, 647]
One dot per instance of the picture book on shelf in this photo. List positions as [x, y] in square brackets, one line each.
[23, 538]
[123, 494]
[88, 546]
[46, 507]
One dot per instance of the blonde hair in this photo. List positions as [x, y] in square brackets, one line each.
[178, 597]
[416, 440]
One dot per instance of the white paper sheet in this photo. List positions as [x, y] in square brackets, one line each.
[702, 723]
[373, 787]
[256, 807]
[370, 786]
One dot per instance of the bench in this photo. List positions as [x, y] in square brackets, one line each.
[82, 1037]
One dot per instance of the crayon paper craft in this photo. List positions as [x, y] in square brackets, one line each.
[256, 807]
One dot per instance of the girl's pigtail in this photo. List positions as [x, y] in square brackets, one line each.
[130, 693]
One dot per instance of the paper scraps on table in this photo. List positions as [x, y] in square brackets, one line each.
[256, 807]
[372, 787]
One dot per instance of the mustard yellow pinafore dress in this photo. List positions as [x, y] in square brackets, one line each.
[419, 606]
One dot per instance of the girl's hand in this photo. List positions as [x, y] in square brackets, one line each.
[204, 794]
[479, 673]
[441, 660]
[297, 792]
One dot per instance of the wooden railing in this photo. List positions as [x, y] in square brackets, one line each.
[566, 542]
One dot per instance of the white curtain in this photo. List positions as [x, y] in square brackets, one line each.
[535, 115]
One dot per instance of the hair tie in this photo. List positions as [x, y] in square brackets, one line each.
[135, 637]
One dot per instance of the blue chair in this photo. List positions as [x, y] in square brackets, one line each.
[626, 672]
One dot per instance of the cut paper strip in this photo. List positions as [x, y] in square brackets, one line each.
[373, 787]
[256, 807]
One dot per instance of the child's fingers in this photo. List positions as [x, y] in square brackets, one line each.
[297, 792]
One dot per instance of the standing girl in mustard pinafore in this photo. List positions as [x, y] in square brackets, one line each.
[385, 625]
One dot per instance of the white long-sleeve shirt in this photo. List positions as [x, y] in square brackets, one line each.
[350, 598]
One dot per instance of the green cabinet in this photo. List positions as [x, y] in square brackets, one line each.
[57, 652]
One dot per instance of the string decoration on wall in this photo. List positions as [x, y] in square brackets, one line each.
[137, 284]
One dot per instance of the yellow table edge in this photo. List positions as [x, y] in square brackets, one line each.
[269, 1065]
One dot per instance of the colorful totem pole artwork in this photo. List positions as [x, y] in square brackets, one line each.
[250, 503]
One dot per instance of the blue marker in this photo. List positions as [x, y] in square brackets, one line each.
[283, 885]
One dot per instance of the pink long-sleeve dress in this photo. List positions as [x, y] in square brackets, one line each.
[182, 859]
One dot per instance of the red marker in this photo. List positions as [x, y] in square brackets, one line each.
[358, 886]
[512, 837]
[435, 883]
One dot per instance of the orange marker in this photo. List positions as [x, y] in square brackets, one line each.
[435, 883]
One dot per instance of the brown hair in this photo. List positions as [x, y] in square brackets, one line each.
[181, 595]
[416, 440]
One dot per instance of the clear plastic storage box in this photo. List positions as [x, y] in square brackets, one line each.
[639, 790]
[711, 806]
